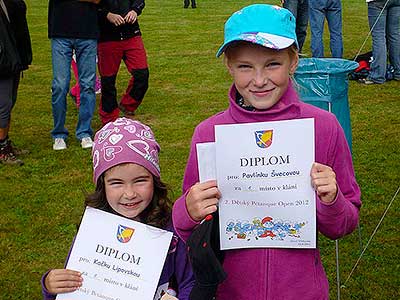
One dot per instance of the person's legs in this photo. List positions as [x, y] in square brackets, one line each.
[185, 3]
[334, 18]
[8, 93]
[193, 3]
[6, 105]
[317, 18]
[110, 56]
[61, 53]
[75, 90]
[393, 36]
[136, 62]
[86, 50]
[377, 73]
[301, 22]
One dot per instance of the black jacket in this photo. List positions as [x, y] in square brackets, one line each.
[15, 34]
[110, 32]
[72, 19]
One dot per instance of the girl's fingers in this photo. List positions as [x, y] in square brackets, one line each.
[59, 280]
[202, 199]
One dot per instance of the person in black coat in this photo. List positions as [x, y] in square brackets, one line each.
[15, 57]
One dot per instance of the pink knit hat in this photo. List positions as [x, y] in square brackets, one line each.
[125, 141]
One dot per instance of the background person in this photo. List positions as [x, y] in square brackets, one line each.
[72, 26]
[384, 21]
[121, 40]
[186, 3]
[14, 37]
[75, 91]
[299, 9]
[331, 10]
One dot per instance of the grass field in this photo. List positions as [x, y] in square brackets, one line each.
[42, 201]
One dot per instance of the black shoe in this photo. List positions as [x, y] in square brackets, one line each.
[7, 155]
[18, 151]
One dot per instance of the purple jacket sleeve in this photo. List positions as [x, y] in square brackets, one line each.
[183, 272]
[46, 294]
[183, 223]
[340, 217]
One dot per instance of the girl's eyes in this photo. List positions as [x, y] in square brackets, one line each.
[116, 183]
[273, 64]
[141, 180]
[244, 66]
[268, 65]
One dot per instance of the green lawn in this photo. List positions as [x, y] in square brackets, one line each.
[42, 201]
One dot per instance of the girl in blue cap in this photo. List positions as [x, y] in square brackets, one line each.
[261, 54]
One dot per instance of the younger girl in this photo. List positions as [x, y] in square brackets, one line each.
[127, 177]
[261, 53]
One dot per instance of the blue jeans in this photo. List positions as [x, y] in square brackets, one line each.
[61, 51]
[299, 9]
[332, 11]
[385, 37]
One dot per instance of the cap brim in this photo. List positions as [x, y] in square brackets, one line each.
[267, 40]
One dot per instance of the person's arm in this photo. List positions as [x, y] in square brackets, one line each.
[137, 6]
[186, 218]
[58, 281]
[338, 208]
[183, 272]
[136, 9]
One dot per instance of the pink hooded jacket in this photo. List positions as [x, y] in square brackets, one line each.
[281, 274]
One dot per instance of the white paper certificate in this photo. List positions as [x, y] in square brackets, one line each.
[120, 259]
[263, 173]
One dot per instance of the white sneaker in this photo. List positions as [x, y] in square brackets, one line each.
[87, 142]
[59, 144]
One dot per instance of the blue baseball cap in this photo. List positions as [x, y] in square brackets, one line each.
[270, 26]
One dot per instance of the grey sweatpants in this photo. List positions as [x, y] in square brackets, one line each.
[8, 96]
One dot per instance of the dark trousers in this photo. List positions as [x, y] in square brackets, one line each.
[110, 55]
[186, 3]
[8, 96]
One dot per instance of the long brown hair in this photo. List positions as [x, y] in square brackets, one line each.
[157, 213]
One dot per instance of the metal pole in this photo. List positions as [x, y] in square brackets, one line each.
[337, 269]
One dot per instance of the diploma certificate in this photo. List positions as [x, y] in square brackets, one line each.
[263, 173]
[120, 259]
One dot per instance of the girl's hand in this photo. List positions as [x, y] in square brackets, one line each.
[202, 199]
[130, 17]
[115, 19]
[60, 281]
[168, 297]
[323, 179]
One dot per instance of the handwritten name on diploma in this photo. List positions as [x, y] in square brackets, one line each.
[111, 281]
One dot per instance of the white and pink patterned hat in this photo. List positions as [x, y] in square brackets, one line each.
[125, 141]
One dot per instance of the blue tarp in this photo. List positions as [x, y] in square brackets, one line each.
[323, 82]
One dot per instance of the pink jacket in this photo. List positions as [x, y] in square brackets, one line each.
[275, 274]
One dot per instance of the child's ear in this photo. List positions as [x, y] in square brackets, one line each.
[294, 62]
[228, 65]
